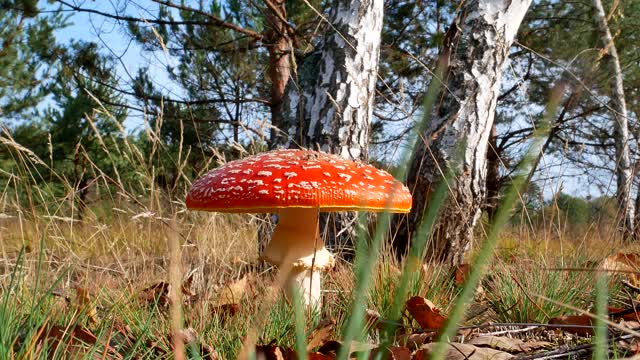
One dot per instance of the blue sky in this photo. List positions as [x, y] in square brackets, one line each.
[111, 36]
[113, 39]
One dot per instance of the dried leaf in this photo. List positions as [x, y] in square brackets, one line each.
[630, 314]
[508, 344]
[188, 335]
[391, 353]
[269, 352]
[320, 334]
[159, 293]
[233, 292]
[414, 341]
[332, 347]
[460, 273]
[425, 313]
[120, 337]
[628, 265]
[225, 311]
[208, 353]
[85, 304]
[576, 324]
[156, 294]
[75, 342]
[458, 351]
[319, 356]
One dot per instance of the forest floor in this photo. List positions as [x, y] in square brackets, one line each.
[90, 289]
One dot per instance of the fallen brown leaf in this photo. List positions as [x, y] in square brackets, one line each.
[320, 334]
[425, 313]
[225, 311]
[627, 265]
[120, 337]
[75, 342]
[458, 351]
[511, 345]
[233, 292]
[630, 314]
[414, 341]
[575, 324]
[460, 273]
[86, 305]
[319, 356]
[270, 352]
[158, 293]
[391, 353]
[332, 347]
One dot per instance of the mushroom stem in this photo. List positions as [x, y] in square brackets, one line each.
[307, 284]
[296, 247]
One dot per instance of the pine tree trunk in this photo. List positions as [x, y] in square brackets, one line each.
[477, 46]
[620, 125]
[279, 45]
[330, 106]
[278, 42]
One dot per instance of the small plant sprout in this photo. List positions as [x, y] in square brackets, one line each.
[298, 184]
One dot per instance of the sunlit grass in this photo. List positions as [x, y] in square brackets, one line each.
[121, 246]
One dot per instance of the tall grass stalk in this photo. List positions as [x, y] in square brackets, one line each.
[601, 330]
[502, 216]
[367, 254]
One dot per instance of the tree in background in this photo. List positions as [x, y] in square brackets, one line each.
[27, 49]
[78, 134]
[620, 123]
[224, 80]
[475, 47]
[330, 105]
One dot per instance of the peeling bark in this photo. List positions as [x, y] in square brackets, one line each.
[477, 46]
[620, 125]
[330, 106]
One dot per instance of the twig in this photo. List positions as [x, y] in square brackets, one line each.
[513, 331]
[631, 286]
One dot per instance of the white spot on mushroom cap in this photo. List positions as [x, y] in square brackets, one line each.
[290, 174]
[264, 173]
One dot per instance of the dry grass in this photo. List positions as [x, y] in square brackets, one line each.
[122, 245]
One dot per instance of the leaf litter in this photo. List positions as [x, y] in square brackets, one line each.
[411, 342]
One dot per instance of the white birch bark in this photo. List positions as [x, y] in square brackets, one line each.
[477, 46]
[624, 172]
[330, 106]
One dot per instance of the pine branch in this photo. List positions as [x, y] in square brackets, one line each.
[213, 20]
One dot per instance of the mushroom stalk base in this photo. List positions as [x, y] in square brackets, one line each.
[305, 285]
[297, 249]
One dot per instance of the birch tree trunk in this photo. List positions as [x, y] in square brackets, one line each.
[456, 141]
[330, 106]
[624, 172]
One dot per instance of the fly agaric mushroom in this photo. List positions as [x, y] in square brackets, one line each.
[298, 184]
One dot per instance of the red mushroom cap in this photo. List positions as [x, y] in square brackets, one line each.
[297, 178]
